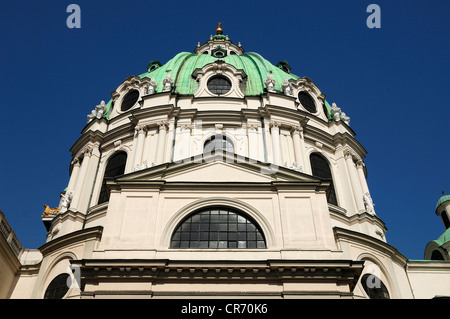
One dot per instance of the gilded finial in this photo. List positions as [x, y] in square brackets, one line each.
[219, 29]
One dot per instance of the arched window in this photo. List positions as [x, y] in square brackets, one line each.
[58, 287]
[320, 168]
[115, 167]
[218, 143]
[374, 287]
[436, 255]
[445, 219]
[218, 227]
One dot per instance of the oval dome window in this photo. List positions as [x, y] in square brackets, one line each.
[219, 85]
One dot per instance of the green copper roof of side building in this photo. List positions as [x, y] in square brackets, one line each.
[442, 199]
[445, 237]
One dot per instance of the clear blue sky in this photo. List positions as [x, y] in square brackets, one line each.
[393, 82]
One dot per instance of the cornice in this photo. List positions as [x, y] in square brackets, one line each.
[272, 110]
[168, 110]
[74, 237]
[379, 245]
[338, 271]
[86, 138]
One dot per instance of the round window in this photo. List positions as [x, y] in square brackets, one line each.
[129, 100]
[219, 85]
[307, 102]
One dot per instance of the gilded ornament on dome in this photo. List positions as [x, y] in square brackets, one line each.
[219, 29]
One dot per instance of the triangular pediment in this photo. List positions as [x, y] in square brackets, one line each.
[219, 168]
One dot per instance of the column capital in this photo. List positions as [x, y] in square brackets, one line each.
[140, 129]
[88, 151]
[360, 163]
[349, 154]
[163, 125]
[274, 124]
[185, 127]
[251, 126]
[76, 162]
[296, 129]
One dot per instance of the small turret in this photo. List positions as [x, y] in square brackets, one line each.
[443, 210]
[439, 249]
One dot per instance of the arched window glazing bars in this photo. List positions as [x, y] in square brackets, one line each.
[115, 167]
[57, 288]
[321, 168]
[374, 287]
[218, 143]
[219, 84]
[218, 227]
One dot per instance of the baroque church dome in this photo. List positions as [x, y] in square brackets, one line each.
[217, 173]
[220, 174]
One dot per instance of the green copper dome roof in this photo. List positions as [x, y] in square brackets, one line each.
[183, 65]
[181, 68]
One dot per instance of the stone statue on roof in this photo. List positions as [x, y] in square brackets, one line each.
[168, 83]
[98, 112]
[368, 204]
[270, 83]
[287, 87]
[151, 88]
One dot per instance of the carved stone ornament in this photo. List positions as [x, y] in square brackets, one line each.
[151, 88]
[163, 126]
[270, 83]
[335, 112]
[142, 166]
[98, 112]
[65, 201]
[140, 129]
[338, 115]
[168, 83]
[88, 151]
[274, 124]
[76, 162]
[287, 88]
[345, 118]
[294, 167]
[368, 204]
